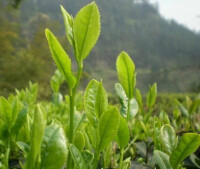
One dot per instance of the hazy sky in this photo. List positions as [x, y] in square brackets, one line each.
[186, 12]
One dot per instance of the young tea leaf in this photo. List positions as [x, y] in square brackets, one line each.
[151, 96]
[126, 73]
[90, 101]
[86, 30]
[61, 59]
[87, 156]
[77, 157]
[5, 111]
[123, 133]
[108, 126]
[24, 147]
[54, 148]
[187, 145]
[123, 99]
[68, 20]
[101, 104]
[133, 107]
[162, 160]
[79, 141]
[194, 106]
[37, 132]
[168, 138]
[139, 98]
[21, 119]
[107, 156]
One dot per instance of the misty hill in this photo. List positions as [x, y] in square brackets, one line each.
[163, 50]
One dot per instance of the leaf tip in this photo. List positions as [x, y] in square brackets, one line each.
[47, 32]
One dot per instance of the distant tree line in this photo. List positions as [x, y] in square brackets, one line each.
[155, 44]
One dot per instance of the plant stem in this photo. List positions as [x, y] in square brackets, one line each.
[71, 127]
[121, 158]
[96, 159]
[130, 144]
[71, 122]
[7, 156]
[147, 149]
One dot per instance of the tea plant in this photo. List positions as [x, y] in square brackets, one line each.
[83, 130]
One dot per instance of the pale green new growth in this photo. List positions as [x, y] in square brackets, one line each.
[126, 73]
[5, 111]
[108, 126]
[187, 145]
[168, 138]
[86, 29]
[61, 59]
[37, 132]
[123, 133]
[90, 101]
[77, 157]
[151, 96]
[95, 101]
[53, 148]
[162, 160]
[79, 140]
[101, 104]
[68, 20]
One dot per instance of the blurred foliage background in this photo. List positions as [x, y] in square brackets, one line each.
[163, 50]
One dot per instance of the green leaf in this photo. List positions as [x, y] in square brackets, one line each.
[108, 126]
[194, 106]
[168, 138]
[133, 107]
[79, 140]
[37, 132]
[127, 163]
[101, 104]
[15, 109]
[156, 135]
[61, 59]
[87, 156]
[151, 96]
[139, 98]
[54, 148]
[77, 157]
[107, 156]
[183, 110]
[162, 160]
[126, 73]
[56, 80]
[86, 30]
[5, 111]
[90, 101]
[123, 133]
[4, 134]
[68, 20]
[24, 147]
[187, 145]
[122, 98]
[195, 160]
[91, 133]
[21, 119]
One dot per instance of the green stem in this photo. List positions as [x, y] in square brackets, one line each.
[147, 149]
[130, 144]
[71, 122]
[71, 125]
[96, 159]
[121, 158]
[7, 154]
